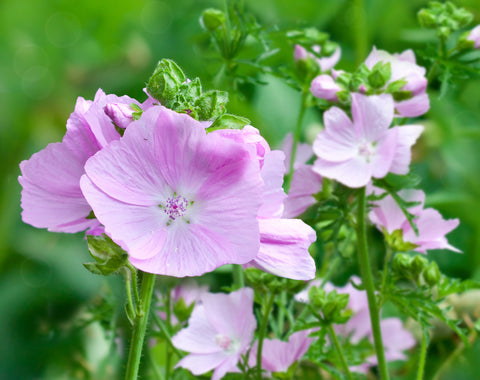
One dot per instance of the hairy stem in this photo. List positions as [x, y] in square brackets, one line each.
[262, 332]
[338, 348]
[140, 326]
[367, 279]
[423, 355]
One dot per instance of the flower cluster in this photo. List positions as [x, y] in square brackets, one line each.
[221, 330]
[179, 201]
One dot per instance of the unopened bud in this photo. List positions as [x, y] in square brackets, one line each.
[212, 18]
[427, 18]
[432, 274]
[120, 113]
[324, 87]
[419, 263]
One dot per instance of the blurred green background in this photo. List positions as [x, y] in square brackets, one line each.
[51, 52]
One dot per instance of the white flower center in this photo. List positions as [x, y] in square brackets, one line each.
[226, 343]
[367, 149]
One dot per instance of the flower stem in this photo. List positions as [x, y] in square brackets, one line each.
[360, 30]
[296, 139]
[168, 305]
[423, 355]
[140, 326]
[333, 336]
[238, 278]
[367, 278]
[261, 336]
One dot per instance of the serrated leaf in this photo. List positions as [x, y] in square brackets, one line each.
[228, 121]
[109, 257]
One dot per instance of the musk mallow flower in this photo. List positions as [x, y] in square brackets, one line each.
[220, 330]
[432, 228]
[284, 243]
[404, 67]
[51, 194]
[278, 355]
[181, 203]
[354, 151]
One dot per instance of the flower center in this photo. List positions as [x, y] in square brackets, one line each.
[367, 150]
[175, 206]
[222, 341]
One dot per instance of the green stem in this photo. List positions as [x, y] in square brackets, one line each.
[168, 305]
[360, 30]
[238, 278]
[296, 139]
[133, 272]
[140, 326]
[423, 356]
[333, 336]
[367, 278]
[261, 336]
[166, 334]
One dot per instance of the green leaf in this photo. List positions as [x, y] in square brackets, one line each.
[212, 104]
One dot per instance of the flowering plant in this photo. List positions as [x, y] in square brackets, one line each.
[175, 186]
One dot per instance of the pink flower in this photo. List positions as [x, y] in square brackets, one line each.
[284, 243]
[352, 152]
[404, 66]
[432, 228]
[325, 63]
[220, 330]
[277, 355]
[179, 202]
[51, 194]
[324, 87]
[474, 36]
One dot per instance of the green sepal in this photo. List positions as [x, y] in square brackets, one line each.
[396, 243]
[211, 104]
[164, 83]
[212, 18]
[228, 121]
[109, 257]
[183, 311]
[380, 75]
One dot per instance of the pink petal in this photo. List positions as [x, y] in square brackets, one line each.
[352, 173]
[201, 363]
[372, 115]
[416, 106]
[337, 142]
[199, 336]
[284, 247]
[272, 174]
[383, 158]
[407, 136]
[305, 182]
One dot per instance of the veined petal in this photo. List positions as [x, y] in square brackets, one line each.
[372, 115]
[407, 136]
[284, 247]
[352, 173]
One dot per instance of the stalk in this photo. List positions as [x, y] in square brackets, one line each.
[140, 326]
[367, 279]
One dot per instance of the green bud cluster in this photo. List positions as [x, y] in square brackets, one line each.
[444, 17]
[265, 283]
[417, 269]
[169, 85]
[329, 308]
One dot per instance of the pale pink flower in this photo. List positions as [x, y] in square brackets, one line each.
[404, 66]
[432, 228]
[474, 36]
[352, 152]
[324, 87]
[220, 330]
[278, 355]
[51, 194]
[325, 63]
[181, 203]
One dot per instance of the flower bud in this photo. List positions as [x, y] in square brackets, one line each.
[432, 274]
[402, 264]
[316, 297]
[427, 18]
[419, 263]
[164, 82]
[324, 87]
[212, 18]
[300, 53]
[120, 113]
